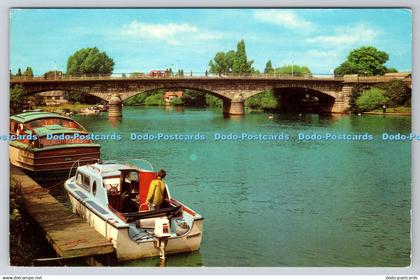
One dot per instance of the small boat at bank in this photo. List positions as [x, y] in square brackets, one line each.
[111, 197]
[49, 142]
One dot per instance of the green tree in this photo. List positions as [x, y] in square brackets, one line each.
[29, 73]
[365, 61]
[268, 68]
[194, 98]
[294, 70]
[213, 101]
[356, 92]
[222, 63]
[398, 93]
[36, 99]
[391, 70]
[89, 61]
[241, 65]
[18, 99]
[154, 100]
[19, 73]
[371, 99]
[345, 68]
[265, 100]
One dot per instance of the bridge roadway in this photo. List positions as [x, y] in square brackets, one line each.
[333, 92]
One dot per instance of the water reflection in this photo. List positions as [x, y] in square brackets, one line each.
[114, 121]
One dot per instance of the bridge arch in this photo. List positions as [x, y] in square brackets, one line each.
[127, 95]
[84, 91]
[303, 99]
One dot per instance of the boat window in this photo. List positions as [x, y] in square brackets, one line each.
[13, 127]
[83, 181]
[86, 182]
[79, 179]
[94, 188]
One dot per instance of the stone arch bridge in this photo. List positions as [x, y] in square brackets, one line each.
[334, 92]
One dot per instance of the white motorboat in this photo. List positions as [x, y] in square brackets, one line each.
[111, 197]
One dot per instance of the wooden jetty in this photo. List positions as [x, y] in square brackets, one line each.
[68, 234]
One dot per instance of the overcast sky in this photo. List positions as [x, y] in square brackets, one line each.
[147, 39]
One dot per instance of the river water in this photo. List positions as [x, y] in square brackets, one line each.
[278, 203]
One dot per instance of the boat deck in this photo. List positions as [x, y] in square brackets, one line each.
[68, 234]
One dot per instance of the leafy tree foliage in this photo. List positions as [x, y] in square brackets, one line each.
[365, 61]
[398, 93]
[391, 70]
[265, 100]
[18, 99]
[296, 70]
[232, 61]
[194, 98]
[371, 99]
[36, 100]
[29, 73]
[89, 61]
[77, 97]
[19, 73]
[241, 65]
[222, 63]
[154, 100]
[345, 68]
[268, 68]
[213, 101]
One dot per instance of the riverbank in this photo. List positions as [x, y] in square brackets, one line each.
[397, 111]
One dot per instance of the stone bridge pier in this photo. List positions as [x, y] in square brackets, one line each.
[236, 106]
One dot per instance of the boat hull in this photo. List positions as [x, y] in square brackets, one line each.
[56, 160]
[127, 249]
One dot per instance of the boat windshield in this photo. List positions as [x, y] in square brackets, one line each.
[54, 121]
[135, 163]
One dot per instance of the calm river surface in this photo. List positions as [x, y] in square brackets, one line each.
[279, 203]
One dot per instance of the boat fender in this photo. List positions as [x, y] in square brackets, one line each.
[181, 227]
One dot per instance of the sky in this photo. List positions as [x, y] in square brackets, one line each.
[141, 40]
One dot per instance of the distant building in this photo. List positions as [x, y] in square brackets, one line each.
[56, 97]
[171, 95]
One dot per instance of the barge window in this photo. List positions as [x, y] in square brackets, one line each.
[94, 188]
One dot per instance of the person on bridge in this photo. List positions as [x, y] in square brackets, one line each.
[156, 191]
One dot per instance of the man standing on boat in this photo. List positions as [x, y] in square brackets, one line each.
[156, 191]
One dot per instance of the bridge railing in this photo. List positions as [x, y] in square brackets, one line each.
[192, 75]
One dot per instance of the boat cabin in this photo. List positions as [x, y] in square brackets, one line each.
[124, 190]
[40, 124]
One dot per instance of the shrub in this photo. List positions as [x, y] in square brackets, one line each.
[371, 99]
[154, 100]
[398, 93]
[264, 100]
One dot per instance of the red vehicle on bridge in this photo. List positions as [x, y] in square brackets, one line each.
[159, 73]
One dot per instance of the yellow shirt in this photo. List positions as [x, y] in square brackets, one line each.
[156, 191]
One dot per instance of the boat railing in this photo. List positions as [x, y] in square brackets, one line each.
[76, 164]
[130, 162]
